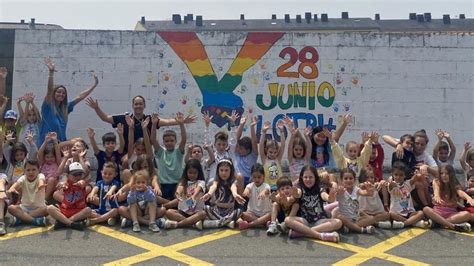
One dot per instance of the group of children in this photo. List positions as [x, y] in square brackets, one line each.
[145, 183]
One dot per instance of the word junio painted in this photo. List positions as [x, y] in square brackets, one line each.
[304, 98]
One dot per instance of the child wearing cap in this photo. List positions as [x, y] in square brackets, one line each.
[73, 209]
[10, 122]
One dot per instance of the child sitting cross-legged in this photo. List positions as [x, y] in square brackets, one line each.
[73, 209]
[32, 208]
[284, 200]
[103, 196]
[259, 206]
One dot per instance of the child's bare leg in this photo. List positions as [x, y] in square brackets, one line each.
[124, 212]
[366, 220]
[191, 220]
[57, 215]
[260, 221]
[171, 204]
[18, 212]
[133, 209]
[97, 218]
[414, 217]
[349, 223]
[160, 200]
[152, 211]
[2, 208]
[296, 223]
[460, 217]
[385, 197]
[383, 216]
[174, 215]
[397, 217]
[50, 187]
[430, 213]
[82, 215]
[328, 225]
[275, 211]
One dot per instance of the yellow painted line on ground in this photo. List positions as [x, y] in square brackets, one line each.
[26, 232]
[203, 239]
[155, 250]
[471, 234]
[378, 250]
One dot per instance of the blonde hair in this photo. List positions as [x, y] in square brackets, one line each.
[140, 175]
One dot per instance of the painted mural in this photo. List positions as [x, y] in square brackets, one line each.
[293, 88]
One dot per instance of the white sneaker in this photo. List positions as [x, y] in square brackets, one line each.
[397, 225]
[136, 227]
[111, 221]
[231, 224]
[422, 224]
[463, 227]
[384, 225]
[125, 222]
[198, 225]
[369, 229]
[282, 228]
[154, 228]
[272, 229]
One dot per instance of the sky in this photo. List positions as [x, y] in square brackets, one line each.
[123, 15]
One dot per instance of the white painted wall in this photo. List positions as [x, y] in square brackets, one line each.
[392, 83]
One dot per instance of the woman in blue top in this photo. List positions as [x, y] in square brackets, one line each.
[56, 108]
[321, 155]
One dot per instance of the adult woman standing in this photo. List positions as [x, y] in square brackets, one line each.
[56, 108]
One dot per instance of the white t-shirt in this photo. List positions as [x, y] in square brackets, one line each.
[371, 204]
[213, 167]
[426, 158]
[400, 199]
[30, 195]
[349, 204]
[188, 206]
[262, 206]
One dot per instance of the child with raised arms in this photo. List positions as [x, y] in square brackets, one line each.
[299, 148]
[259, 206]
[223, 195]
[246, 150]
[352, 159]
[49, 158]
[32, 207]
[445, 210]
[189, 192]
[402, 211]
[73, 210]
[29, 117]
[443, 152]
[348, 194]
[102, 196]
[284, 199]
[312, 220]
[271, 153]
[196, 151]
[467, 158]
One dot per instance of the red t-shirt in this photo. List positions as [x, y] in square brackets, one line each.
[74, 197]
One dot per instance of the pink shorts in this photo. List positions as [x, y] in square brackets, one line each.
[445, 212]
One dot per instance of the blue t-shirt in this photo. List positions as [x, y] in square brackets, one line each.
[243, 165]
[106, 205]
[52, 120]
[141, 197]
[102, 158]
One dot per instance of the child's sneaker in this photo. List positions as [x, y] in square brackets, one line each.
[397, 225]
[330, 237]
[243, 225]
[58, 225]
[231, 224]
[3, 230]
[15, 221]
[272, 229]
[463, 227]
[125, 222]
[282, 228]
[111, 221]
[294, 234]
[422, 224]
[198, 225]
[153, 227]
[161, 222]
[136, 227]
[170, 224]
[368, 229]
[384, 225]
[39, 221]
[78, 225]
[345, 230]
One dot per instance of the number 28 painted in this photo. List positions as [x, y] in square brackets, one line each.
[308, 56]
